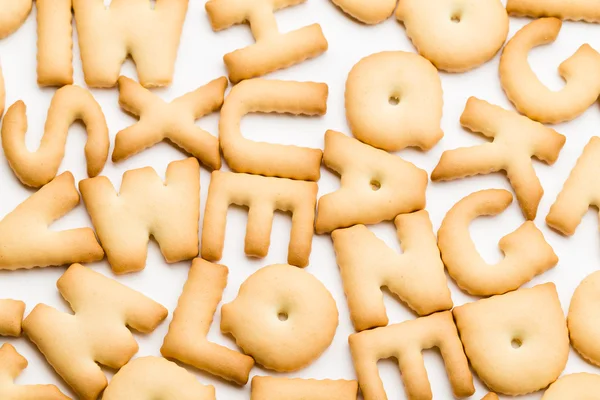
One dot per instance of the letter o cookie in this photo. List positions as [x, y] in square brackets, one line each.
[575, 386]
[283, 317]
[455, 35]
[14, 13]
[583, 320]
[370, 12]
[394, 100]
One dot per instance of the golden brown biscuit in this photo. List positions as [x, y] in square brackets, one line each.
[14, 13]
[583, 319]
[369, 12]
[54, 43]
[580, 386]
[491, 396]
[576, 10]
[272, 388]
[11, 316]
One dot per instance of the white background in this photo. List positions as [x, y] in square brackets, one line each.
[199, 61]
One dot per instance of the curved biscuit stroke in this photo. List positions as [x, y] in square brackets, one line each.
[11, 317]
[156, 378]
[69, 104]
[159, 120]
[369, 12]
[272, 50]
[14, 13]
[129, 28]
[268, 96]
[574, 386]
[529, 95]
[54, 42]
[97, 333]
[526, 252]
[455, 35]
[516, 139]
[576, 10]
[276, 388]
[262, 195]
[11, 366]
[583, 318]
[26, 240]
[416, 276]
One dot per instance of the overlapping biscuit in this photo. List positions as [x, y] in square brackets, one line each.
[375, 185]
[146, 206]
[516, 139]
[405, 341]
[580, 191]
[416, 276]
[159, 120]
[534, 99]
[26, 240]
[11, 316]
[372, 12]
[575, 386]
[262, 195]
[268, 96]
[394, 100]
[583, 320]
[526, 252]
[455, 35]
[69, 104]
[54, 43]
[156, 378]
[11, 366]
[274, 388]
[272, 50]
[283, 317]
[517, 342]
[186, 340]
[97, 333]
[14, 13]
[576, 10]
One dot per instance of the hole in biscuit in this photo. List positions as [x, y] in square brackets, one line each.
[516, 343]
[394, 100]
[282, 316]
[455, 18]
[375, 185]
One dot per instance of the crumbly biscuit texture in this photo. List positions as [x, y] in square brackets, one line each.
[367, 264]
[262, 195]
[69, 104]
[283, 317]
[526, 252]
[276, 388]
[26, 228]
[186, 340]
[375, 186]
[11, 366]
[583, 320]
[394, 100]
[516, 139]
[11, 316]
[517, 342]
[580, 191]
[405, 341]
[272, 50]
[534, 99]
[146, 206]
[156, 378]
[14, 13]
[129, 28]
[75, 344]
[371, 13]
[54, 42]
[455, 35]
[175, 121]
[268, 159]
[576, 10]
[581, 386]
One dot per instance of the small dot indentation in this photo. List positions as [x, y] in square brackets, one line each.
[455, 18]
[282, 316]
[375, 185]
[516, 343]
[394, 100]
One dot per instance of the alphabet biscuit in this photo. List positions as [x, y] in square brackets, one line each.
[14, 13]
[576, 10]
[490, 396]
[54, 42]
[574, 386]
[371, 13]
[583, 320]
[11, 316]
[272, 388]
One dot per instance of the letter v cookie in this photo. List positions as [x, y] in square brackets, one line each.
[11, 366]
[174, 121]
[516, 139]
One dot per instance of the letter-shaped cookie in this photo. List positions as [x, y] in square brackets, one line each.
[575, 386]
[516, 139]
[583, 318]
[107, 35]
[97, 333]
[405, 341]
[54, 43]
[394, 100]
[416, 276]
[186, 340]
[275, 388]
[581, 190]
[144, 207]
[26, 241]
[576, 10]
[516, 342]
[156, 378]
[455, 35]
[490, 396]
[283, 317]
[530, 96]
[14, 13]
[174, 121]
[371, 12]
[11, 316]
[272, 50]
[526, 252]
[11, 366]
[375, 185]
[69, 104]
[267, 96]
[262, 195]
